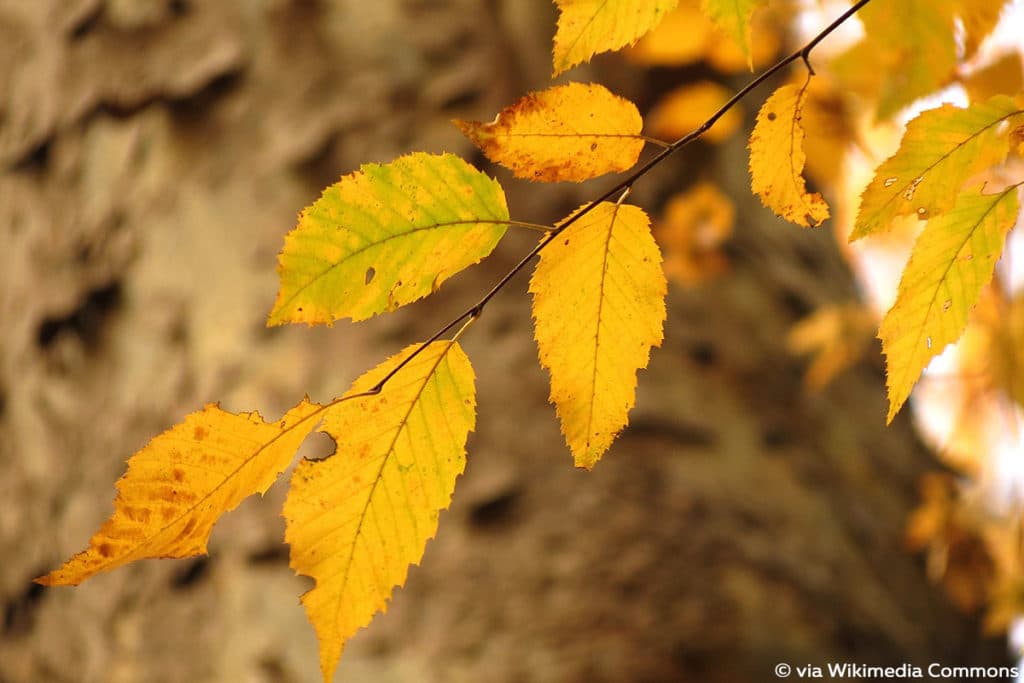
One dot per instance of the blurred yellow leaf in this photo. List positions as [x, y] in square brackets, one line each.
[893, 65]
[682, 37]
[952, 259]
[733, 18]
[1001, 77]
[777, 159]
[599, 306]
[178, 486]
[830, 131]
[687, 35]
[725, 56]
[940, 151]
[356, 520]
[686, 108]
[569, 132]
[587, 27]
[837, 335]
[956, 555]
[386, 236]
[694, 226]
[979, 19]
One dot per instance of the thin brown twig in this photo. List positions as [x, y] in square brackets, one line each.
[476, 310]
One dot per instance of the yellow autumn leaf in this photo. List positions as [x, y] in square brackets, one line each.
[386, 236]
[732, 17]
[893, 65]
[1002, 77]
[356, 520]
[777, 160]
[573, 132]
[837, 336]
[991, 355]
[686, 108]
[952, 259]
[941, 150]
[178, 486]
[598, 307]
[587, 27]
[694, 226]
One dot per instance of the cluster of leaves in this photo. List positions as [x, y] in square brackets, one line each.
[390, 234]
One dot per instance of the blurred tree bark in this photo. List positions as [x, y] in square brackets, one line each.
[153, 156]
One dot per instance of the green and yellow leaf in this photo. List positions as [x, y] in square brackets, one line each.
[953, 258]
[777, 160]
[356, 520]
[732, 17]
[587, 27]
[940, 151]
[599, 307]
[386, 236]
[569, 132]
[178, 486]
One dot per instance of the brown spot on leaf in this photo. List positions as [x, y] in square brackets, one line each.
[105, 549]
[199, 434]
[178, 474]
[771, 116]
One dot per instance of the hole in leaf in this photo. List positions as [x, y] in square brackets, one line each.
[370, 273]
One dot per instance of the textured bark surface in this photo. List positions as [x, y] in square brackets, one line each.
[154, 154]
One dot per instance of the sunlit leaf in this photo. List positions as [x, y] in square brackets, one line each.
[569, 132]
[940, 151]
[178, 486]
[356, 520]
[953, 258]
[588, 27]
[386, 236]
[777, 160]
[599, 306]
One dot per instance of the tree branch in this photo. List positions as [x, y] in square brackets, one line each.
[474, 312]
